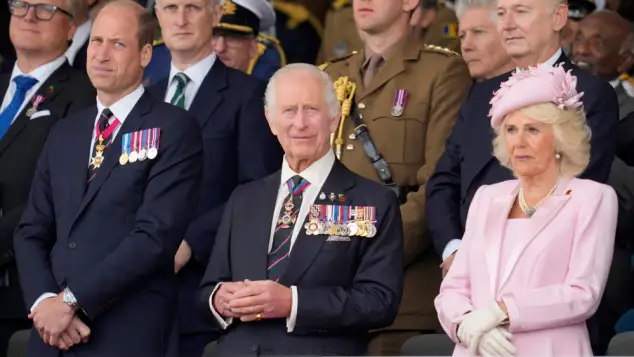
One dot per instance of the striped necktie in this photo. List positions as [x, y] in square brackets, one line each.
[281, 248]
[179, 96]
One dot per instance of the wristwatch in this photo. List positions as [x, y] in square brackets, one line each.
[69, 298]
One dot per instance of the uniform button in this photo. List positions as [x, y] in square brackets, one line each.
[255, 348]
[361, 105]
[72, 245]
[360, 116]
[352, 136]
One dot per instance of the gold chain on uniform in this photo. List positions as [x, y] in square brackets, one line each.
[344, 89]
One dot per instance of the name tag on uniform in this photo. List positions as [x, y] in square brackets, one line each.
[342, 221]
[140, 145]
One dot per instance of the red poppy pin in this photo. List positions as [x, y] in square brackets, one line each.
[342, 197]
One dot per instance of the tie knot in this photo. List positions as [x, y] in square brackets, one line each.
[24, 83]
[104, 119]
[181, 79]
[297, 185]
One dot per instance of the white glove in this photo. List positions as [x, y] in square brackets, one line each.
[496, 343]
[476, 323]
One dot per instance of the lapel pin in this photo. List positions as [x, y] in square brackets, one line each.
[322, 196]
[332, 196]
[342, 197]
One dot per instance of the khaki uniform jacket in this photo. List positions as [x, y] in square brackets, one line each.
[437, 82]
[341, 36]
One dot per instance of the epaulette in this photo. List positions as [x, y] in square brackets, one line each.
[325, 65]
[157, 43]
[628, 84]
[298, 14]
[339, 4]
[443, 50]
[266, 39]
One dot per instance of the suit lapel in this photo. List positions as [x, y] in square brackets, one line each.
[133, 123]
[306, 247]
[57, 79]
[540, 219]
[393, 67]
[494, 230]
[260, 223]
[209, 94]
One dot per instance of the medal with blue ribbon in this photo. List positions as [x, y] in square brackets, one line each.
[400, 101]
[125, 149]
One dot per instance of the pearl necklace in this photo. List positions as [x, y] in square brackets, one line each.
[529, 211]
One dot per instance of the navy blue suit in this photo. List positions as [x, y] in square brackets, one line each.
[468, 162]
[344, 288]
[238, 147]
[111, 243]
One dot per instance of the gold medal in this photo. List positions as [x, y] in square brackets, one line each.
[123, 159]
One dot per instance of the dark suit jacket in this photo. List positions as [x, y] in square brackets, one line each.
[80, 59]
[344, 288]
[19, 151]
[112, 243]
[238, 147]
[468, 162]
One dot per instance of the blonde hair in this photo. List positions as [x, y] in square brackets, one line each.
[571, 133]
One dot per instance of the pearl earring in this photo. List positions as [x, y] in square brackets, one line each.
[557, 156]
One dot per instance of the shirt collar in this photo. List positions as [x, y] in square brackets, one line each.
[553, 59]
[42, 72]
[316, 173]
[196, 72]
[387, 54]
[79, 39]
[615, 82]
[122, 108]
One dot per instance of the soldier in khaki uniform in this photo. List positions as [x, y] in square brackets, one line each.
[408, 95]
[436, 24]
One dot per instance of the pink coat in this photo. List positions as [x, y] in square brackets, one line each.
[555, 276]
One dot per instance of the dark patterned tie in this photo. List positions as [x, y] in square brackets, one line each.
[104, 123]
[278, 256]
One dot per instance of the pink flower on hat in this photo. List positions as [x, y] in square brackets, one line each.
[541, 84]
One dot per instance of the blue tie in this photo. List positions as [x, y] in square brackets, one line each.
[23, 84]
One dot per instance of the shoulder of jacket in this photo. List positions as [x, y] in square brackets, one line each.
[327, 64]
[439, 49]
[267, 39]
[298, 14]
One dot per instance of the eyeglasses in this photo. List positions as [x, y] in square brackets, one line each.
[43, 12]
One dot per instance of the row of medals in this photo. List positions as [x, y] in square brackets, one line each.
[140, 156]
[359, 227]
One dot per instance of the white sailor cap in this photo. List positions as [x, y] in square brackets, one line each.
[262, 9]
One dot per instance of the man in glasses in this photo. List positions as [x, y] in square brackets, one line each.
[239, 44]
[41, 89]
[238, 145]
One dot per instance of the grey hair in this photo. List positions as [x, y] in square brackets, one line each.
[330, 97]
[628, 44]
[462, 6]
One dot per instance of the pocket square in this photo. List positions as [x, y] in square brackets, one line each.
[338, 239]
[39, 114]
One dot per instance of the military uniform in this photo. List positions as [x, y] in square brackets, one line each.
[409, 108]
[298, 30]
[159, 66]
[341, 35]
[269, 59]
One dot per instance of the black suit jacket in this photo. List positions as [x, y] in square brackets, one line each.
[238, 147]
[19, 151]
[344, 288]
[112, 243]
[468, 162]
[81, 57]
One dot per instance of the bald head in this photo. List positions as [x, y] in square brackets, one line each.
[603, 44]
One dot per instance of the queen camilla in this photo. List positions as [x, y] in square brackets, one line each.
[536, 250]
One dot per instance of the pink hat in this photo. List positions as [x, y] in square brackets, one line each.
[542, 84]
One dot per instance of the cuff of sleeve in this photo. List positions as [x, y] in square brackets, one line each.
[513, 313]
[224, 323]
[42, 297]
[451, 248]
[290, 321]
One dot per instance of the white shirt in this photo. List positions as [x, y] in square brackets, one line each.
[316, 174]
[121, 109]
[80, 38]
[41, 73]
[454, 244]
[196, 74]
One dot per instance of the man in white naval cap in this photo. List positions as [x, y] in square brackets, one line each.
[240, 38]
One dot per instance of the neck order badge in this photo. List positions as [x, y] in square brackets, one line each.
[97, 160]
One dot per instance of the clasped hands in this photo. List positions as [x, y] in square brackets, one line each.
[480, 331]
[253, 300]
[57, 323]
